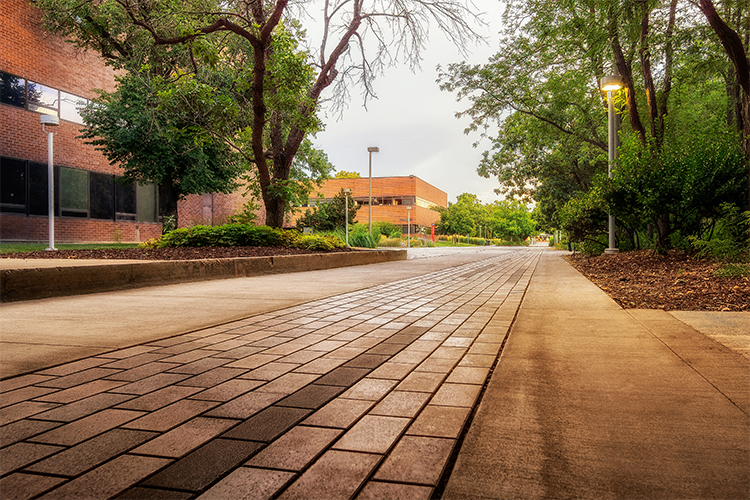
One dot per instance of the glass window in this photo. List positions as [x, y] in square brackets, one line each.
[71, 106]
[43, 99]
[13, 185]
[12, 90]
[38, 202]
[101, 196]
[74, 192]
[125, 201]
[147, 205]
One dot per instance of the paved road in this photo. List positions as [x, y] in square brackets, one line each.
[366, 383]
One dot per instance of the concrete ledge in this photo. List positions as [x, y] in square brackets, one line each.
[40, 283]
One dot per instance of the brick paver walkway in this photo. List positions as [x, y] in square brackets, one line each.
[362, 395]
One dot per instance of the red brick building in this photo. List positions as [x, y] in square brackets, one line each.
[391, 197]
[41, 74]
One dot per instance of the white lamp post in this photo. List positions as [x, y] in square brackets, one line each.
[50, 121]
[346, 212]
[371, 150]
[408, 227]
[611, 84]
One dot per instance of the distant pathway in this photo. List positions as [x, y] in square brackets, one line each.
[363, 395]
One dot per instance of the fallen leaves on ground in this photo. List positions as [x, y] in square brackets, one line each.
[672, 282]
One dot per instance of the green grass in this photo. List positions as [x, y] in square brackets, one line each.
[35, 247]
[735, 270]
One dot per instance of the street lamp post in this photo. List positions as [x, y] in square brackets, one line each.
[346, 212]
[408, 227]
[611, 84]
[50, 121]
[371, 150]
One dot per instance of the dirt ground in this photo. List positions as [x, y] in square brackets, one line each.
[673, 282]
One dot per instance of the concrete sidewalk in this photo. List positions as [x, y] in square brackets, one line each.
[367, 383]
[592, 401]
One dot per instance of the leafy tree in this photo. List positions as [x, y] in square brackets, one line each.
[128, 128]
[277, 87]
[343, 174]
[331, 215]
[462, 217]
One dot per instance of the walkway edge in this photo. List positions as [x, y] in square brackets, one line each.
[65, 280]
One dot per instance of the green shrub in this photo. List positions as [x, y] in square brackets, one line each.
[391, 242]
[734, 271]
[363, 240]
[318, 242]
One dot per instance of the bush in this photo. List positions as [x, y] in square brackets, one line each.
[363, 240]
[318, 242]
[391, 242]
[227, 236]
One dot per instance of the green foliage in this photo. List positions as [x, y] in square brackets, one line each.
[733, 270]
[360, 237]
[509, 219]
[331, 215]
[385, 228]
[227, 236]
[583, 217]
[729, 239]
[343, 174]
[392, 242]
[318, 242]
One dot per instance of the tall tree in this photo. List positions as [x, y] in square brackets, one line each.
[207, 33]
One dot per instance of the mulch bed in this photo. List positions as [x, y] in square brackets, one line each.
[672, 282]
[181, 253]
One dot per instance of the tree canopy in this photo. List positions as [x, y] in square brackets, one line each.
[238, 67]
[506, 219]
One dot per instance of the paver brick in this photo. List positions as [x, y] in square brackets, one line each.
[372, 434]
[401, 404]
[133, 361]
[421, 382]
[22, 410]
[213, 377]
[189, 356]
[89, 454]
[238, 352]
[246, 405]
[340, 413]
[312, 396]
[456, 395]
[129, 352]
[322, 365]
[343, 376]
[295, 449]
[247, 483]
[22, 381]
[142, 371]
[141, 493]
[24, 429]
[171, 416]
[368, 361]
[20, 486]
[19, 455]
[436, 365]
[484, 360]
[24, 393]
[468, 375]
[268, 424]
[288, 383]
[75, 366]
[227, 390]
[185, 438]
[337, 474]
[159, 399]
[81, 391]
[79, 430]
[109, 479]
[416, 460]
[393, 371]
[204, 466]
[440, 421]
[83, 407]
[378, 490]
[371, 389]
[200, 366]
[151, 383]
[253, 361]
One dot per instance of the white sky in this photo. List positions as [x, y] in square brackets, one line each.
[413, 122]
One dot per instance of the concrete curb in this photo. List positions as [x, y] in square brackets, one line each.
[40, 283]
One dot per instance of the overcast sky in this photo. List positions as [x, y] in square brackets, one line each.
[413, 123]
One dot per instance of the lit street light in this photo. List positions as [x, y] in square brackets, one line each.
[611, 84]
[371, 150]
[50, 121]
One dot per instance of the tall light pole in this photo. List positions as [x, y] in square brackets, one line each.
[371, 150]
[346, 212]
[408, 227]
[611, 84]
[50, 121]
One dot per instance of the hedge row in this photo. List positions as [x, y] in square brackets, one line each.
[244, 235]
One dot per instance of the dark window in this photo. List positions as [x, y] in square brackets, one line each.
[12, 90]
[101, 196]
[38, 202]
[125, 201]
[147, 204]
[74, 192]
[13, 185]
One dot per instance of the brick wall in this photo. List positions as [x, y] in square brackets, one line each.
[72, 230]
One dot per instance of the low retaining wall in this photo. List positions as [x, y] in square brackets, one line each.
[40, 283]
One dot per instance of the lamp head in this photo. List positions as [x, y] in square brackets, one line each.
[347, 190]
[611, 83]
[373, 149]
[49, 120]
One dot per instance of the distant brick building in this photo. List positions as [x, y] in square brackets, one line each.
[390, 198]
[42, 74]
